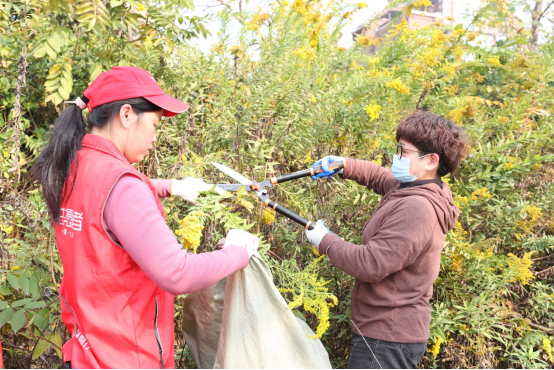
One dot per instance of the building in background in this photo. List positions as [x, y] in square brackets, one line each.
[440, 10]
[419, 18]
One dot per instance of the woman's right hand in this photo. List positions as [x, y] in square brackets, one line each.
[324, 163]
[244, 239]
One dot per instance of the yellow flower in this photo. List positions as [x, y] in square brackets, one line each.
[362, 5]
[547, 346]
[460, 201]
[258, 20]
[519, 268]
[481, 194]
[236, 50]
[141, 7]
[450, 70]
[416, 5]
[305, 53]
[456, 263]
[431, 56]
[399, 86]
[458, 230]
[452, 90]
[347, 15]
[268, 217]
[218, 48]
[374, 144]
[311, 293]
[471, 36]
[457, 115]
[437, 38]
[378, 159]
[533, 215]
[312, 98]
[299, 6]
[190, 230]
[373, 111]
[537, 166]
[494, 61]
[436, 347]
[511, 164]
[316, 252]
[503, 120]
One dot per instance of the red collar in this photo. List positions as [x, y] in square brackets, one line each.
[104, 145]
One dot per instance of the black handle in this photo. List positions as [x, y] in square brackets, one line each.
[290, 214]
[309, 172]
[309, 225]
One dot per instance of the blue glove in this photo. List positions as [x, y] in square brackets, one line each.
[317, 233]
[324, 162]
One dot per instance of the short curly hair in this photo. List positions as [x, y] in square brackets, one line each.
[431, 133]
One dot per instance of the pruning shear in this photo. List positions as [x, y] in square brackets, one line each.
[261, 188]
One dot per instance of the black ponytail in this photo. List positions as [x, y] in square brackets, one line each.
[53, 166]
[54, 162]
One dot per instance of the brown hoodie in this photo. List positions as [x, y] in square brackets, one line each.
[399, 258]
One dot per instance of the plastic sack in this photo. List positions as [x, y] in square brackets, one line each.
[244, 322]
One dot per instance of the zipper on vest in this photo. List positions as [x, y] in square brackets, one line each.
[158, 335]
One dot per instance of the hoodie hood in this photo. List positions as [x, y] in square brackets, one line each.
[439, 197]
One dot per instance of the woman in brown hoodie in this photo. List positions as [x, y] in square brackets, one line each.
[399, 257]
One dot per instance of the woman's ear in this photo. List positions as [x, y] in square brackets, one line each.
[124, 114]
[433, 162]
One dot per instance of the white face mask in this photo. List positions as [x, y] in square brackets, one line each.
[401, 168]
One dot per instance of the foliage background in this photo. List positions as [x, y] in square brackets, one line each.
[273, 100]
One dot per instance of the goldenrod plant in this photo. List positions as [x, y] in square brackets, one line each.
[269, 99]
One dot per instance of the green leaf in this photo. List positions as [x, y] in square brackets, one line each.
[18, 320]
[41, 347]
[12, 279]
[21, 302]
[57, 340]
[54, 43]
[3, 305]
[33, 287]
[63, 93]
[51, 52]
[40, 51]
[5, 290]
[32, 305]
[67, 74]
[52, 82]
[24, 283]
[67, 85]
[42, 318]
[115, 3]
[5, 316]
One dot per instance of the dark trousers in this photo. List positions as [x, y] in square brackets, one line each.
[386, 355]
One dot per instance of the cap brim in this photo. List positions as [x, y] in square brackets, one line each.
[171, 106]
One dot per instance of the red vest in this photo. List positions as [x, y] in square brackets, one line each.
[117, 316]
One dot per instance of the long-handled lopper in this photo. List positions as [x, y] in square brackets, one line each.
[261, 188]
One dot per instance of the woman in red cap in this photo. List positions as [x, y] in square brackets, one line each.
[122, 264]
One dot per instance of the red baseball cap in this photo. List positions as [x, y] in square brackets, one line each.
[127, 83]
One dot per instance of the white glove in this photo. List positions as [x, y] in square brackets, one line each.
[244, 239]
[188, 188]
[317, 233]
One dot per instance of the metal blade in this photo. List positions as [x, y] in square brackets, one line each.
[233, 187]
[234, 174]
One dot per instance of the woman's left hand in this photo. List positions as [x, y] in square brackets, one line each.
[315, 235]
[189, 188]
